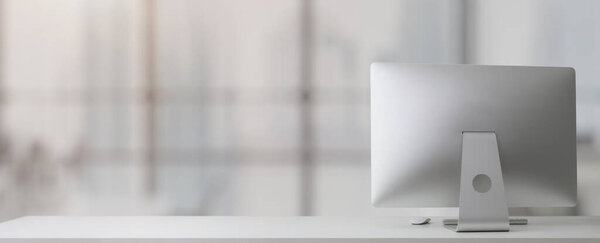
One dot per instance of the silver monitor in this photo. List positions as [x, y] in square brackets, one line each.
[428, 121]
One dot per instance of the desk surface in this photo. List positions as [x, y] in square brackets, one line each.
[321, 229]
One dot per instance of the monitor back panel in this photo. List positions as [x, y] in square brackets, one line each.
[418, 114]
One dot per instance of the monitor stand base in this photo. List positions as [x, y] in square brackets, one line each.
[451, 223]
[482, 203]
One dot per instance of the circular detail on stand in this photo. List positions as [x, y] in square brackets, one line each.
[482, 183]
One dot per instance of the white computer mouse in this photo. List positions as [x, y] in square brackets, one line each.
[419, 220]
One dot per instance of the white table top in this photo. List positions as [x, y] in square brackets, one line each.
[322, 229]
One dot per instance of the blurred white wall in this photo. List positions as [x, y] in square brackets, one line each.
[227, 115]
[183, 107]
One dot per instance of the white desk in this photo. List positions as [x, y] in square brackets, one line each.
[284, 229]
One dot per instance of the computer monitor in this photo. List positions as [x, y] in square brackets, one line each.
[483, 138]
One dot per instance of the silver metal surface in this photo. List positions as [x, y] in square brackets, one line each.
[482, 205]
[418, 113]
[511, 220]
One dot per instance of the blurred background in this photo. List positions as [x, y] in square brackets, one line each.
[237, 107]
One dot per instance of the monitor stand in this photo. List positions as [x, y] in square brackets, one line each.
[482, 205]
